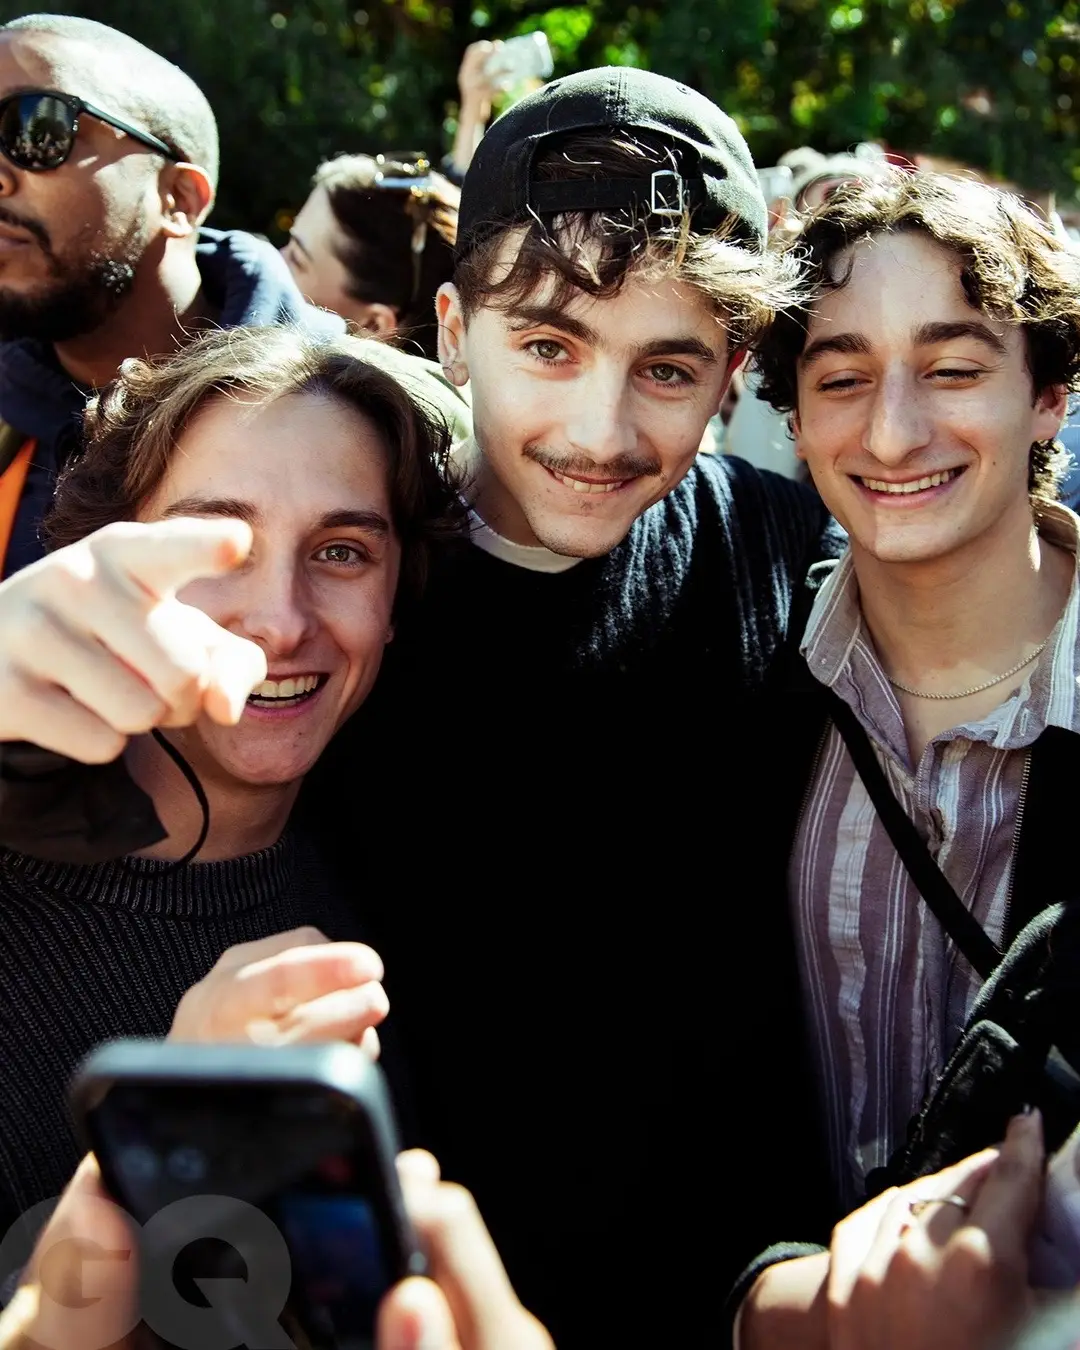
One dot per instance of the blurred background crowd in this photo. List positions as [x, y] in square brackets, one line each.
[989, 84]
[345, 131]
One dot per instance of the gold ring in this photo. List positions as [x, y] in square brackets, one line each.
[923, 1203]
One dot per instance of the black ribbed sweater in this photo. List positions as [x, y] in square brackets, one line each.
[89, 953]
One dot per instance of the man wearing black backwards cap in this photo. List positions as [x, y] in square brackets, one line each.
[564, 1007]
[610, 270]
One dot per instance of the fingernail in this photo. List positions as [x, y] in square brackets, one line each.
[1029, 1121]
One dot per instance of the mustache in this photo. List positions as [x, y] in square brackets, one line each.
[623, 466]
[32, 227]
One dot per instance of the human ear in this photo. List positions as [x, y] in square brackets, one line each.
[379, 320]
[796, 433]
[186, 198]
[735, 361]
[738, 358]
[1051, 407]
[451, 334]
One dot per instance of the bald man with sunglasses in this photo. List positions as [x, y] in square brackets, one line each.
[108, 168]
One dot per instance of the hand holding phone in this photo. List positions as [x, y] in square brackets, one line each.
[473, 1306]
[519, 59]
[264, 1185]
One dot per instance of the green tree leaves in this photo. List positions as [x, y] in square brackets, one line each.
[991, 83]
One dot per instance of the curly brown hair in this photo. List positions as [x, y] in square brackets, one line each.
[133, 427]
[593, 252]
[1014, 268]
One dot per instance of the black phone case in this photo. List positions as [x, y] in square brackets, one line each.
[337, 1068]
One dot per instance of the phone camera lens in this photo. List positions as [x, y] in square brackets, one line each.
[186, 1164]
[138, 1162]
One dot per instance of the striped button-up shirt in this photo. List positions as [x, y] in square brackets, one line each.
[886, 992]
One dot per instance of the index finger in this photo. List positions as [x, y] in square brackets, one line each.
[163, 556]
[277, 984]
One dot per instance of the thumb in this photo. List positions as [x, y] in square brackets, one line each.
[82, 1279]
[414, 1315]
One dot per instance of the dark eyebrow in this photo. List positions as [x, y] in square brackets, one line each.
[930, 334]
[926, 335]
[295, 239]
[373, 522]
[846, 344]
[677, 346]
[550, 316]
[194, 505]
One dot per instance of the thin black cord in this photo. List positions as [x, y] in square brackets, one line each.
[200, 796]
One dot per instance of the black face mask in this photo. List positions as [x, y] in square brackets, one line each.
[62, 811]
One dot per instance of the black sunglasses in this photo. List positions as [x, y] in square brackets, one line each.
[38, 129]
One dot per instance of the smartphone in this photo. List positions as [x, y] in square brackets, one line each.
[527, 57]
[264, 1184]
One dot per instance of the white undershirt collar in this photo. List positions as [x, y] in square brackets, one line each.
[533, 557]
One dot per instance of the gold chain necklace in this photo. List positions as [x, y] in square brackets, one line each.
[976, 688]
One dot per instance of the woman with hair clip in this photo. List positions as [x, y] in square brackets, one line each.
[374, 242]
[246, 525]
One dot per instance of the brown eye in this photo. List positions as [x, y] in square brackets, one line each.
[546, 349]
[342, 554]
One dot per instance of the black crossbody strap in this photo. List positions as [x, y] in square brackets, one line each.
[933, 885]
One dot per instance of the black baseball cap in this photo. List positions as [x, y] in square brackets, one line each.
[716, 177]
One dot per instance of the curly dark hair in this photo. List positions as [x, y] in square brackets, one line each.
[1014, 268]
[133, 427]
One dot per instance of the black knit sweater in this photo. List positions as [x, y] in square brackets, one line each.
[89, 953]
[582, 975]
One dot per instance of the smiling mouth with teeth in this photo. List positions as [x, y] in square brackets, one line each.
[915, 485]
[285, 693]
[580, 485]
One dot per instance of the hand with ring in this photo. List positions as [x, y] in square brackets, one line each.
[941, 1262]
[921, 1203]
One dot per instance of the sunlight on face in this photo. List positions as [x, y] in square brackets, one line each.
[587, 415]
[313, 255]
[916, 412]
[309, 474]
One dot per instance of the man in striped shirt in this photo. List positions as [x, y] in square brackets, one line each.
[927, 381]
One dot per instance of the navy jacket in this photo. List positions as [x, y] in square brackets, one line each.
[247, 282]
